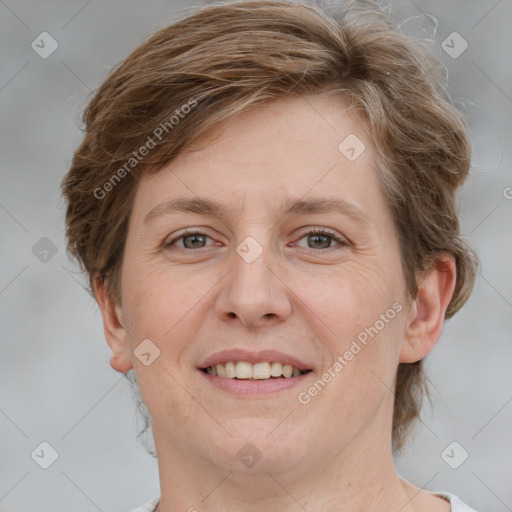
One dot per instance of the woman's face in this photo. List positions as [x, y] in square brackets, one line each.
[254, 281]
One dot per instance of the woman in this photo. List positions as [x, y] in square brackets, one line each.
[264, 204]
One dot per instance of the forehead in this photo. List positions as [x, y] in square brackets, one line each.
[292, 129]
[289, 149]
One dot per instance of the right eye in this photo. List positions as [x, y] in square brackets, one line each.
[191, 239]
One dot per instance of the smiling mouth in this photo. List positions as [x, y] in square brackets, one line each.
[243, 370]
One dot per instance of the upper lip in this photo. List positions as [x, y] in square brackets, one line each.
[271, 356]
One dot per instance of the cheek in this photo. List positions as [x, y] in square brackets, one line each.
[167, 304]
[359, 313]
[346, 300]
[358, 382]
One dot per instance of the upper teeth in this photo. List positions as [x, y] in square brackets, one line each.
[245, 370]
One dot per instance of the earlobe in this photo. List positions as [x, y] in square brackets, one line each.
[114, 328]
[426, 315]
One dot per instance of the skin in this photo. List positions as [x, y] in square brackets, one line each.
[305, 296]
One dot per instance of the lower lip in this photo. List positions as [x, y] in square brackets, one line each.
[254, 387]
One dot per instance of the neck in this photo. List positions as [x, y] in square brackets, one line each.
[358, 479]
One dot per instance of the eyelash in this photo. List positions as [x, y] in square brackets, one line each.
[311, 231]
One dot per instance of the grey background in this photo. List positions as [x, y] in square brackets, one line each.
[56, 381]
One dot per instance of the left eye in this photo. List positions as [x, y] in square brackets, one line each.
[321, 239]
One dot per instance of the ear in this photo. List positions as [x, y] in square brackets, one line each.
[426, 314]
[114, 328]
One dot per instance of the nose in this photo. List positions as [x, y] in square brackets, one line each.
[253, 293]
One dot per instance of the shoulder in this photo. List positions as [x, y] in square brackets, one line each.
[149, 506]
[456, 503]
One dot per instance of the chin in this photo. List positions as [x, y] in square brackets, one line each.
[262, 446]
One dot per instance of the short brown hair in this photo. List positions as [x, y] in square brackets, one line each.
[226, 58]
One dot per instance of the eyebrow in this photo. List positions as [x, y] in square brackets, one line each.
[299, 207]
